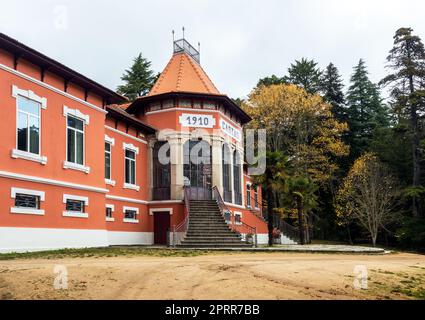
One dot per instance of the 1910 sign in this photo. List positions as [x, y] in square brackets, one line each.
[197, 121]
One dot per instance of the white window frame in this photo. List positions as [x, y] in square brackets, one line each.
[238, 213]
[111, 142]
[132, 148]
[112, 207]
[26, 155]
[29, 211]
[68, 112]
[124, 209]
[71, 214]
[248, 200]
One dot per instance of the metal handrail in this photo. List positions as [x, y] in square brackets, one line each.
[180, 230]
[289, 230]
[239, 227]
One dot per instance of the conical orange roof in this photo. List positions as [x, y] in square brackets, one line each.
[183, 74]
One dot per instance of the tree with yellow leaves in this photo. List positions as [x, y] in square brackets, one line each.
[367, 195]
[302, 127]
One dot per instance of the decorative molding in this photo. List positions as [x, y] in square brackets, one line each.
[78, 198]
[131, 147]
[18, 154]
[124, 209]
[76, 113]
[234, 205]
[29, 95]
[110, 219]
[110, 206]
[165, 202]
[109, 140]
[155, 210]
[126, 134]
[110, 182]
[131, 187]
[51, 88]
[75, 166]
[29, 211]
[135, 221]
[70, 214]
[15, 191]
[22, 177]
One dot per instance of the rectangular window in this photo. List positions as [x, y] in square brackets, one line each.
[75, 138]
[28, 126]
[238, 219]
[130, 214]
[130, 167]
[108, 212]
[256, 198]
[248, 196]
[107, 160]
[75, 206]
[27, 201]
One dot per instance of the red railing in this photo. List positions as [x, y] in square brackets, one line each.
[240, 227]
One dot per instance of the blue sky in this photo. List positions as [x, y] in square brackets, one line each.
[241, 41]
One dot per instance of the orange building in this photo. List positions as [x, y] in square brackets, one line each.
[81, 167]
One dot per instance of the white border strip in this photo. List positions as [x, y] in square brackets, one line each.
[125, 134]
[126, 199]
[51, 88]
[22, 177]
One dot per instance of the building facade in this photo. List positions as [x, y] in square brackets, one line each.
[82, 167]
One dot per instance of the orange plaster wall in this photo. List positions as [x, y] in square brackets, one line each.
[53, 206]
[53, 135]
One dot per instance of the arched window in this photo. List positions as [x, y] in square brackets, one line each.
[197, 168]
[227, 162]
[237, 172]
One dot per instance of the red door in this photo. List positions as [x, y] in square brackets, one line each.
[161, 227]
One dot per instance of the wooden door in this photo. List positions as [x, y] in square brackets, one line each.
[161, 227]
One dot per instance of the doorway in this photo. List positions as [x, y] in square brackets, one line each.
[161, 227]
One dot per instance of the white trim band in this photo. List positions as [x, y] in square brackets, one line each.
[22, 177]
[125, 134]
[51, 88]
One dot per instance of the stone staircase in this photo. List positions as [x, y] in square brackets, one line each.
[208, 229]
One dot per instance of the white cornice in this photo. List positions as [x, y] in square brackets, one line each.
[22, 177]
[51, 88]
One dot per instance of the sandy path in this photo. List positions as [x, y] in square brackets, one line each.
[224, 276]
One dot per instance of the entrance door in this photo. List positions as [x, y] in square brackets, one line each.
[161, 227]
[198, 169]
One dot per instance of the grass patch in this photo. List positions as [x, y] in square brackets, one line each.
[106, 253]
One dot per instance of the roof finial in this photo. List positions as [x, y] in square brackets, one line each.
[183, 32]
[173, 35]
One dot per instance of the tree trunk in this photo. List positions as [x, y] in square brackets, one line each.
[350, 240]
[270, 202]
[301, 227]
[415, 140]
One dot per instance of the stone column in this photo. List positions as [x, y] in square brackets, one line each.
[150, 167]
[232, 175]
[176, 158]
[217, 162]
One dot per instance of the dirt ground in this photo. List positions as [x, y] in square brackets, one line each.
[217, 276]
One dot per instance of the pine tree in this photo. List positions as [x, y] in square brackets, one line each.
[138, 80]
[268, 81]
[332, 87]
[366, 111]
[407, 60]
[305, 74]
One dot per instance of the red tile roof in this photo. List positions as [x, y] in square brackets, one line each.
[183, 74]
